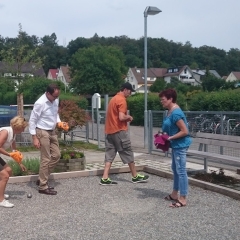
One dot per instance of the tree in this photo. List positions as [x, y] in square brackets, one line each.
[97, 69]
[15, 58]
[211, 83]
[158, 85]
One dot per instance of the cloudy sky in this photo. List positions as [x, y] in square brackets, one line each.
[207, 22]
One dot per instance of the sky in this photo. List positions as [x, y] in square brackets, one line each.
[213, 23]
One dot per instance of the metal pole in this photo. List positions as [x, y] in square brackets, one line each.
[145, 82]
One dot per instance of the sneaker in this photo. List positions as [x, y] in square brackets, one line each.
[5, 203]
[140, 178]
[107, 182]
[6, 196]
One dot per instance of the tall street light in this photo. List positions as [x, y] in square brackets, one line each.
[148, 11]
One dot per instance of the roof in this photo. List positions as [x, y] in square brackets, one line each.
[151, 73]
[176, 73]
[53, 73]
[198, 71]
[236, 74]
[26, 68]
[66, 73]
[214, 73]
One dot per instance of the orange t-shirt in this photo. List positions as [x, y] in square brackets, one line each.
[117, 104]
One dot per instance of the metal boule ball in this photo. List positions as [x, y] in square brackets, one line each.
[29, 195]
[6, 196]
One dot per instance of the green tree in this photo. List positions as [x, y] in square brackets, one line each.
[211, 83]
[158, 85]
[15, 58]
[97, 69]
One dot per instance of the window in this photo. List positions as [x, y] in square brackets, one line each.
[185, 70]
[133, 86]
[175, 70]
[170, 70]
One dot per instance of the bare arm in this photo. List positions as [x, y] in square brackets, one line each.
[124, 117]
[183, 130]
[3, 139]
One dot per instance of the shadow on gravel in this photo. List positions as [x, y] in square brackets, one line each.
[150, 193]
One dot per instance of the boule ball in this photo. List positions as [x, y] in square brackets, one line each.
[29, 195]
[6, 196]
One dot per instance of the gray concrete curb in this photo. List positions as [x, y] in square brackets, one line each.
[205, 185]
[74, 174]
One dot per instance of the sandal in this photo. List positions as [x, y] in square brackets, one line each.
[169, 198]
[177, 204]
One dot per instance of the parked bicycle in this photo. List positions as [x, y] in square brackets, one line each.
[201, 124]
[228, 126]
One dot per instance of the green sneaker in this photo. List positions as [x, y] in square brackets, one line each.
[107, 182]
[140, 178]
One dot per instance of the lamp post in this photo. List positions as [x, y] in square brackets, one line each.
[148, 11]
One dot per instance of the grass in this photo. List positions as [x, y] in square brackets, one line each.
[32, 165]
[76, 144]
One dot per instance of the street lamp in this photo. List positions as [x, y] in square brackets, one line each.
[148, 11]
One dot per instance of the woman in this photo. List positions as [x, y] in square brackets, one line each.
[175, 125]
[7, 140]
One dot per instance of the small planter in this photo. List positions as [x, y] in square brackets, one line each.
[71, 160]
[74, 164]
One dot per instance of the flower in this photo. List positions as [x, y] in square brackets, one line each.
[67, 154]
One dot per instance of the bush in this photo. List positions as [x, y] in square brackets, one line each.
[70, 112]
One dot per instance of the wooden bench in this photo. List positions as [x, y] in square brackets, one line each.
[222, 144]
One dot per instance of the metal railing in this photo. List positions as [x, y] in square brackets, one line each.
[227, 123]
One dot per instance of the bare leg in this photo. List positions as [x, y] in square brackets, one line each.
[106, 170]
[4, 176]
[174, 194]
[132, 169]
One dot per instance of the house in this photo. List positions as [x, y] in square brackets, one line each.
[233, 76]
[61, 74]
[64, 75]
[27, 69]
[183, 74]
[52, 74]
[199, 74]
[135, 76]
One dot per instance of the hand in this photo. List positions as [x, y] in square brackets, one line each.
[23, 168]
[17, 156]
[36, 143]
[130, 119]
[63, 125]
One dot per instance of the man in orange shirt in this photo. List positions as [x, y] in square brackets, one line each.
[117, 138]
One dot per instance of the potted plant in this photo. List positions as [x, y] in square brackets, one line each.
[71, 160]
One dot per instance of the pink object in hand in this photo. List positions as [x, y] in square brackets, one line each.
[161, 142]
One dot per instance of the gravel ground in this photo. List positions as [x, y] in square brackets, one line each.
[85, 210]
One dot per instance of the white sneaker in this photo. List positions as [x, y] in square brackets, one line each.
[6, 196]
[6, 203]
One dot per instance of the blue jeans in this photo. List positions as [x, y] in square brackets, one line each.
[180, 178]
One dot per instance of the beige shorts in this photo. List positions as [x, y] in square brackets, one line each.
[118, 142]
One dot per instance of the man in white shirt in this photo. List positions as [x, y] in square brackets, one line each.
[42, 123]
